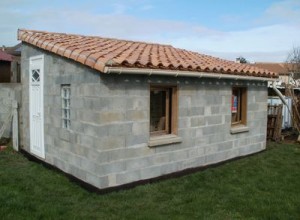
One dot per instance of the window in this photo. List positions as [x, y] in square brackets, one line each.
[163, 110]
[239, 106]
[65, 97]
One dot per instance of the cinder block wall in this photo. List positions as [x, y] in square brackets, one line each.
[9, 93]
[107, 143]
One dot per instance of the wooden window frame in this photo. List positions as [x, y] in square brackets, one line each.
[241, 107]
[171, 106]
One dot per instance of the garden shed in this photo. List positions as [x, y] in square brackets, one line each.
[112, 112]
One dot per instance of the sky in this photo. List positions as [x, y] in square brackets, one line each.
[259, 30]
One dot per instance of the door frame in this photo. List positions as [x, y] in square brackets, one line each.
[40, 65]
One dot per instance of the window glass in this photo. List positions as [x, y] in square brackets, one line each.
[163, 110]
[238, 106]
[158, 110]
[65, 95]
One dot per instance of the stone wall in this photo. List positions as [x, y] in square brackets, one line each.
[107, 144]
[9, 92]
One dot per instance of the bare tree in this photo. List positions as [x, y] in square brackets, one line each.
[293, 62]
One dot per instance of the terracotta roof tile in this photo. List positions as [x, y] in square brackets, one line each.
[280, 68]
[98, 53]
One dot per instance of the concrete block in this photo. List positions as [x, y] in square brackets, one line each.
[112, 180]
[118, 103]
[185, 122]
[216, 138]
[85, 140]
[128, 177]
[211, 149]
[138, 163]
[137, 103]
[225, 146]
[194, 162]
[64, 134]
[215, 110]
[168, 168]
[59, 163]
[103, 182]
[198, 121]
[77, 126]
[116, 167]
[151, 172]
[109, 142]
[213, 120]
[87, 116]
[140, 128]
[213, 100]
[49, 140]
[217, 157]
[80, 150]
[138, 151]
[186, 134]
[119, 129]
[185, 102]
[95, 130]
[161, 158]
[187, 90]
[88, 165]
[132, 140]
[93, 179]
[111, 117]
[137, 115]
[77, 172]
[183, 112]
[113, 155]
[100, 103]
[213, 129]
[253, 107]
[77, 103]
[245, 150]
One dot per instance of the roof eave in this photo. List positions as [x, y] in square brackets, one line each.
[174, 73]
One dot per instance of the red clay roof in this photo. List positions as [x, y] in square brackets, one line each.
[280, 68]
[5, 57]
[98, 53]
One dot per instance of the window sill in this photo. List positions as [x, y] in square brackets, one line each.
[164, 140]
[239, 129]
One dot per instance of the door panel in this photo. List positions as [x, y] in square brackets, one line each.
[36, 113]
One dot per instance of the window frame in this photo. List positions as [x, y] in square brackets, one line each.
[65, 108]
[171, 108]
[241, 106]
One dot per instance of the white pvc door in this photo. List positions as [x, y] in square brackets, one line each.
[36, 111]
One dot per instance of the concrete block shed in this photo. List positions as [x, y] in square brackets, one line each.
[112, 112]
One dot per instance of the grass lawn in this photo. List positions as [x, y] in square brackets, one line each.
[263, 186]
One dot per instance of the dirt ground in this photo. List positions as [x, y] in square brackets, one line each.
[289, 137]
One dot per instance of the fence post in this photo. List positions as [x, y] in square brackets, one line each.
[15, 129]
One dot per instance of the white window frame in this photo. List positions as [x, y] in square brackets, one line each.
[65, 106]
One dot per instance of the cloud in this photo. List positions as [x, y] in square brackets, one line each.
[114, 25]
[273, 39]
[267, 42]
[252, 57]
[146, 7]
[286, 11]
[119, 8]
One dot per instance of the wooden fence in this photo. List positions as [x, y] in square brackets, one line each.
[274, 122]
